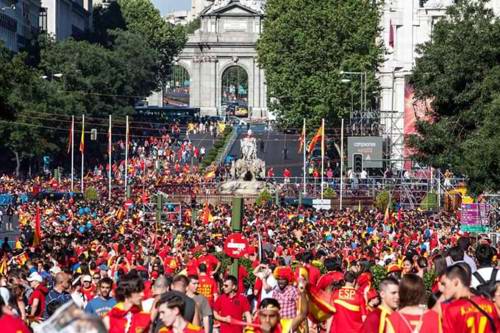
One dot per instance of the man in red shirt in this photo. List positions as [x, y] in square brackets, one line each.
[231, 306]
[213, 264]
[38, 296]
[207, 285]
[389, 295]
[350, 307]
[465, 312]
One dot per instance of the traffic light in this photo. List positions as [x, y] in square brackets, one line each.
[357, 162]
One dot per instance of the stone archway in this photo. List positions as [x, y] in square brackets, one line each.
[178, 86]
[234, 91]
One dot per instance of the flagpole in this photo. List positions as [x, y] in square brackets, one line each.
[72, 152]
[322, 154]
[109, 159]
[126, 156]
[304, 154]
[341, 162]
[82, 151]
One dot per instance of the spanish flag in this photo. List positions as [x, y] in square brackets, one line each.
[206, 216]
[38, 229]
[387, 215]
[21, 259]
[82, 139]
[317, 137]
[3, 265]
[320, 304]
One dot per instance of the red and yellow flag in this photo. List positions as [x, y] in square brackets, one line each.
[206, 215]
[317, 137]
[387, 214]
[82, 139]
[37, 238]
[4, 264]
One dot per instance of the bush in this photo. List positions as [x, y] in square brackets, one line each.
[378, 273]
[430, 202]
[382, 200]
[329, 193]
[264, 198]
[91, 194]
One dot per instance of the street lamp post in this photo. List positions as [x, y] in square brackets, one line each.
[362, 79]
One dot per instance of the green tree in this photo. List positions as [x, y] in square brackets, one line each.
[459, 71]
[168, 40]
[303, 48]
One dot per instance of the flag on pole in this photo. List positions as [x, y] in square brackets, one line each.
[82, 139]
[70, 140]
[4, 264]
[302, 138]
[206, 216]
[387, 214]
[317, 137]
[38, 232]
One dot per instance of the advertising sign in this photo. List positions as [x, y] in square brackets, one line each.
[474, 217]
[368, 146]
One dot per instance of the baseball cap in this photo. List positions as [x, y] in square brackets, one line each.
[35, 277]
[87, 278]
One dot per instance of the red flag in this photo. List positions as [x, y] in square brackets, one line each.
[391, 34]
[38, 229]
[206, 215]
[387, 215]
[315, 139]
[70, 141]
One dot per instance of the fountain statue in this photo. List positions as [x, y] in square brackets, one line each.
[247, 173]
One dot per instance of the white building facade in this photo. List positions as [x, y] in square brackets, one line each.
[405, 24]
[19, 21]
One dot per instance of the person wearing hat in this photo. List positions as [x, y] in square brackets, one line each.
[286, 294]
[38, 297]
[389, 296]
[88, 289]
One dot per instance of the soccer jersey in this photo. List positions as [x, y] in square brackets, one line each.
[376, 320]
[190, 328]
[462, 316]
[399, 322]
[350, 309]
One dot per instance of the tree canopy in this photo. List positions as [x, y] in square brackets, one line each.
[303, 48]
[459, 71]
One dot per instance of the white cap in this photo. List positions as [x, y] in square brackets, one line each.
[35, 277]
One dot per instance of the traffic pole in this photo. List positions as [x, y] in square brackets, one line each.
[236, 216]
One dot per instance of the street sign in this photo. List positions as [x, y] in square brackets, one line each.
[474, 217]
[235, 245]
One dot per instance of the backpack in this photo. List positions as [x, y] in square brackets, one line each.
[485, 287]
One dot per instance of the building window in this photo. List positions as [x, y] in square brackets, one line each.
[43, 19]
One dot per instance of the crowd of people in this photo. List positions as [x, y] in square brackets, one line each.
[305, 269]
[111, 266]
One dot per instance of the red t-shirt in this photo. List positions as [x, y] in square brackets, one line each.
[406, 323]
[461, 316]
[192, 267]
[39, 293]
[375, 321]
[170, 264]
[231, 306]
[207, 287]
[350, 307]
[11, 324]
[190, 328]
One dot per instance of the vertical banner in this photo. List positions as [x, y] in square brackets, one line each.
[414, 110]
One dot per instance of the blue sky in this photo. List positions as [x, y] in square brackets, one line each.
[166, 6]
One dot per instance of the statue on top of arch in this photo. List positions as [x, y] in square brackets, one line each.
[257, 5]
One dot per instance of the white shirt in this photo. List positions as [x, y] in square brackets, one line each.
[485, 273]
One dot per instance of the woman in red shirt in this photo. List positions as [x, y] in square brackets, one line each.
[412, 315]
